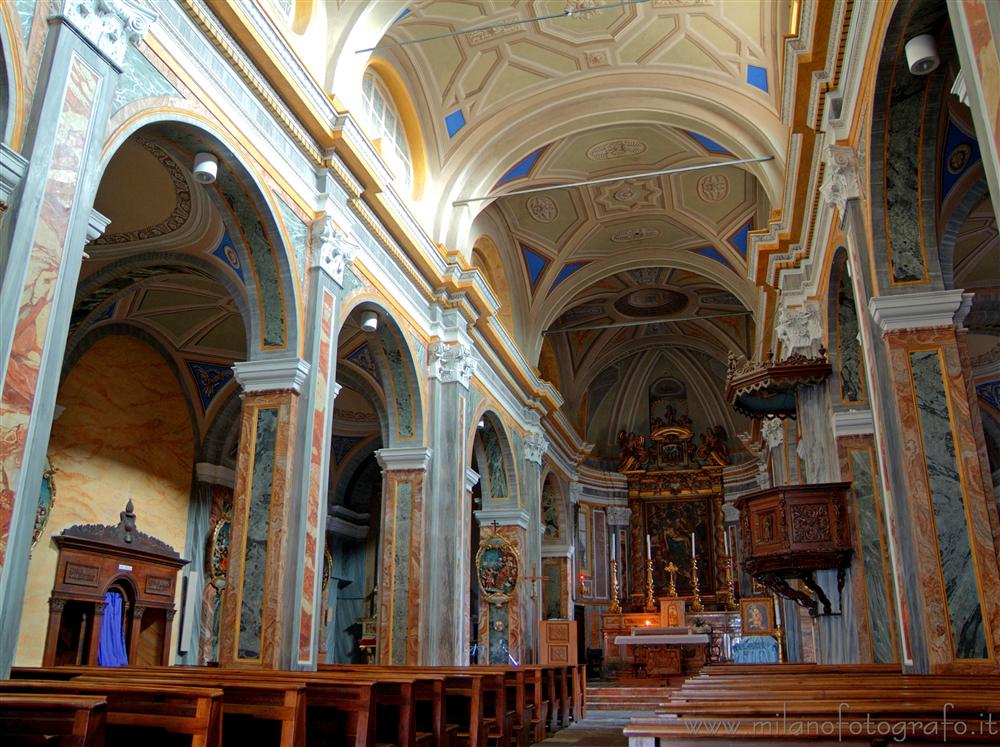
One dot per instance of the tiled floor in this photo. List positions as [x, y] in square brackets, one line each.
[599, 729]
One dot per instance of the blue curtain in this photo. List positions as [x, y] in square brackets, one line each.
[111, 647]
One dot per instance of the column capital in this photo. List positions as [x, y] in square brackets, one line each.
[773, 431]
[337, 249]
[394, 458]
[110, 25]
[452, 363]
[215, 474]
[618, 516]
[505, 517]
[535, 446]
[842, 183]
[920, 310]
[798, 325]
[471, 479]
[272, 374]
[96, 225]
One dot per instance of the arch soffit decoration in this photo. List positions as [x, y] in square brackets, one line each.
[551, 477]
[200, 134]
[476, 444]
[389, 343]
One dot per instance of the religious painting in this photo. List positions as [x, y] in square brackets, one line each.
[218, 552]
[670, 525]
[497, 567]
[553, 588]
[601, 568]
[550, 511]
[757, 616]
[582, 526]
[46, 500]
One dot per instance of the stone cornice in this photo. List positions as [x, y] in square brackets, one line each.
[471, 479]
[505, 517]
[12, 168]
[272, 374]
[397, 458]
[920, 310]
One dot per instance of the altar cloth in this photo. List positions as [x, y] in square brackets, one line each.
[661, 640]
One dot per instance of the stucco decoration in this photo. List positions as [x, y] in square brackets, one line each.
[451, 363]
[842, 182]
[618, 516]
[535, 446]
[798, 328]
[773, 431]
[111, 25]
[337, 249]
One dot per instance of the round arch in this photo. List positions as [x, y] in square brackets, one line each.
[12, 103]
[249, 214]
[494, 454]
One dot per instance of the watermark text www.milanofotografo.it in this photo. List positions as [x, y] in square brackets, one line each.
[849, 725]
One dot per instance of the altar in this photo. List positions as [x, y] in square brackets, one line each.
[656, 651]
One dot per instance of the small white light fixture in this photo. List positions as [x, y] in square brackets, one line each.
[369, 321]
[481, 424]
[206, 168]
[922, 55]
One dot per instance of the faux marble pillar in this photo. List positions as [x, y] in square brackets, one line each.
[45, 231]
[400, 596]
[448, 511]
[256, 623]
[950, 514]
[535, 446]
[503, 634]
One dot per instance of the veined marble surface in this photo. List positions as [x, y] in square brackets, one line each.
[947, 498]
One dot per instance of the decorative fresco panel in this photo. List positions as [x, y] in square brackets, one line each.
[852, 386]
[139, 79]
[948, 501]
[210, 379]
[550, 511]
[600, 555]
[494, 461]
[298, 233]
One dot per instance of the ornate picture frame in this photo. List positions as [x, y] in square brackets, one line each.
[46, 500]
[218, 551]
[498, 567]
[757, 616]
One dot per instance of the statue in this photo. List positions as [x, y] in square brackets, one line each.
[634, 453]
[713, 448]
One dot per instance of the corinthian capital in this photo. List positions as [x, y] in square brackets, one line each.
[452, 363]
[842, 182]
[535, 446]
[337, 249]
[110, 25]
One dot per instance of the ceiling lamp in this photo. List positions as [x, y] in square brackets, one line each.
[369, 321]
[206, 168]
[922, 55]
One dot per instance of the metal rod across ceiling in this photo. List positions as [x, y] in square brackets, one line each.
[641, 322]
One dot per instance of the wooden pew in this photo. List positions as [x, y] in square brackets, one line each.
[74, 720]
[194, 711]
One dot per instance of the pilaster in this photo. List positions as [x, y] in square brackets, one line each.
[502, 623]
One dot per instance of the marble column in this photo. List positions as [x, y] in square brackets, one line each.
[975, 25]
[448, 511]
[535, 446]
[46, 227]
[199, 528]
[401, 593]
[336, 250]
[257, 626]
[503, 634]
[949, 513]
[464, 572]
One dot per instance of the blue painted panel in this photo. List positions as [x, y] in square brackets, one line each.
[713, 253]
[568, 269]
[521, 168]
[454, 122]
[990, 393]
[401, 16]
[535, 263]
[961, 151]
[757, 77]
[707, 143]
[228, 255]
[740, 238]
[948, 502]
[210, 378]
[362, 358]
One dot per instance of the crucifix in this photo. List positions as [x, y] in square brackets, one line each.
[533, 578]
[672, 569]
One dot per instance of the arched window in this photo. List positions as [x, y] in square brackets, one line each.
[386, 124]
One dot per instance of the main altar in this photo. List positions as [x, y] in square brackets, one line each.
[674, 605]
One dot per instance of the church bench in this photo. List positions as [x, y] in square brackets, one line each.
[193, 711]
[74, 720]
[712, 670]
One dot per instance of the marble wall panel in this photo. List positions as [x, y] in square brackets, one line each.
[139, 79]
[873, 554]
[298, 233]
[849, 361]
[400, 377]
[40, 282]
[399, 579]
[947, 497]
[125, 432]
[257, 523]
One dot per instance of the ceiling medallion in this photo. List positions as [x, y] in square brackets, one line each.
[650, 302]
[619, 148]
[542, 208]
[634, 234]
[713, 187]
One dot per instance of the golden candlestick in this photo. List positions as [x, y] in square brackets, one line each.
[650, 604]
[696, 605]
[615, 607]
[729, 593]
[671, 570]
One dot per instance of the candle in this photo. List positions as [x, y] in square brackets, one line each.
[725, 535]
[693, 551]
[649, 548]
[614, 555]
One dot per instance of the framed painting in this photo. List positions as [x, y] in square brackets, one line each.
[757, 616]
[497, 566]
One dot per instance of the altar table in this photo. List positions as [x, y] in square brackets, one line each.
[663, 654]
